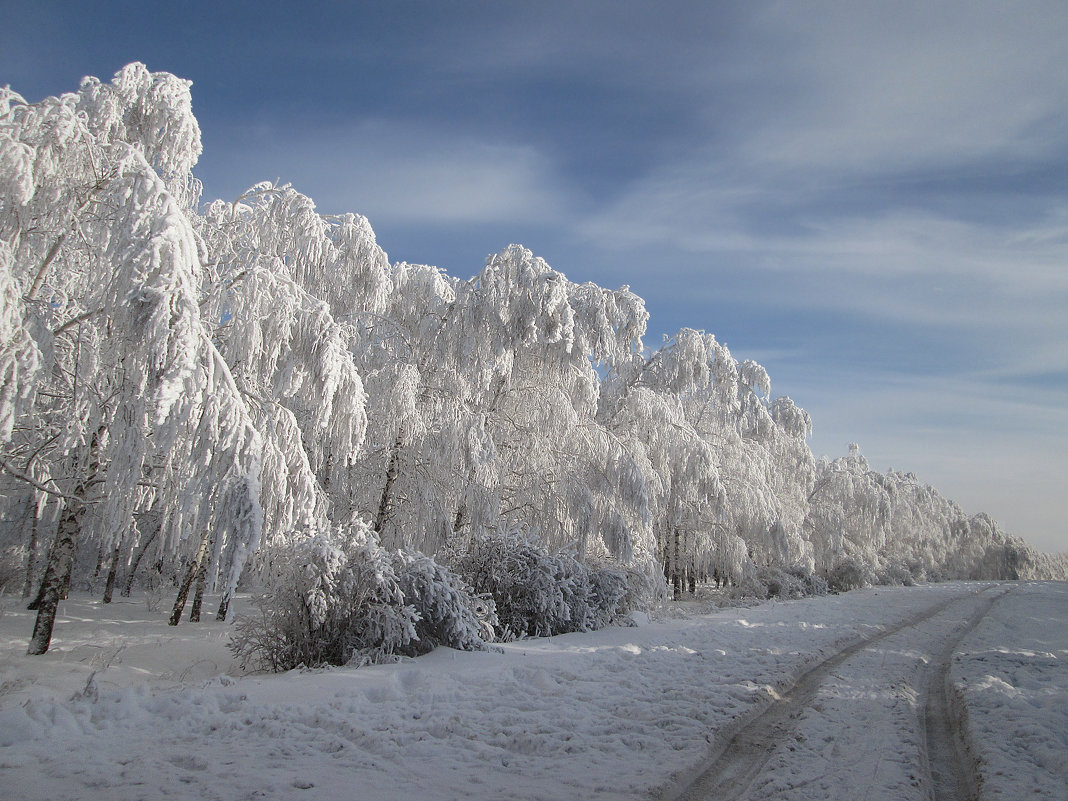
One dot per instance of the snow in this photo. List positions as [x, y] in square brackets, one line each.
[1011, 678]
[125, 707]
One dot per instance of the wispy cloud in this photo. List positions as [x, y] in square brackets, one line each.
[876, 162]
[877, 87]
[396, 173]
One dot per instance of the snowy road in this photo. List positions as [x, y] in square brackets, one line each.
[871, 721]
[625, 713]
[950, 768]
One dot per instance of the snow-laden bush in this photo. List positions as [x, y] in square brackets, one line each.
[335, 599]
[614, 594]
[772, 582]
[539, 593]
[524, 580]
[449, 612]
[895, 574]
[812, 583]
[850, 574]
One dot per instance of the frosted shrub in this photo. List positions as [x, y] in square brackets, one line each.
[522, 580]
[616, 593]
[895, 574]
[749, 587]
[538, 593]
[335, 599]
[849, 574]
[813, 583]
[449, 612]
[773, 582]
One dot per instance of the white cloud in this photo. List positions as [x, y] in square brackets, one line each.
[882, 87]
[902, 265]
[839, 140]
[393, 173]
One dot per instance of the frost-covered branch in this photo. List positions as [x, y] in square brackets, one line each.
[15, 473]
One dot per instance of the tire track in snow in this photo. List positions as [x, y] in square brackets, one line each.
[949, 764]
[748, 746]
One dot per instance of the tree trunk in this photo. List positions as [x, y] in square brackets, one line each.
[99, 560]
[198, 593]
[187, 582]
[31, 552]
[224, 606]
[61, 557]
[676, 574]
[64, 589]
[459, 523]
[691, 563]
[385, 505]
[35, 604]
[57, 574]
[128, 588]
[109, 587]
[665, 555]
[461, 518]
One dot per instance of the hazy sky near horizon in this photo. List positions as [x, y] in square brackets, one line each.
[869, 198]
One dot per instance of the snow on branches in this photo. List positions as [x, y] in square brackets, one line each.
[107, 270]
[255, 380]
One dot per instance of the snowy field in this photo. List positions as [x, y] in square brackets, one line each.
[124, 707]
[1011, 677]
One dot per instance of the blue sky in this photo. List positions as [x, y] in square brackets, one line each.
[868, 198]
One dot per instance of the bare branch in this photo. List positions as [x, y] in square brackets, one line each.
[81, 318]
[11, 471]
[42, 271]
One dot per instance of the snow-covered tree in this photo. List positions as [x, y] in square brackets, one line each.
[741, 463]
[534, 382]
[483, 406]
[129, 390]
[849, 512]
[685, 497]
[281, 279]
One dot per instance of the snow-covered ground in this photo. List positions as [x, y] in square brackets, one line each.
[1011, 676]
[623, 713]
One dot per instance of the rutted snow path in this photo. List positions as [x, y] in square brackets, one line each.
[1009, 682]
[878, 690]
[949, 767]
[616, 714]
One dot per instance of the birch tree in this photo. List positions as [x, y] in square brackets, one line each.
[756, 461]
[849, 511]
[483, 397]
[284, 288]
[107, 269]
[533, 338]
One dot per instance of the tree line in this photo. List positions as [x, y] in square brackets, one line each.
[188, 390]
